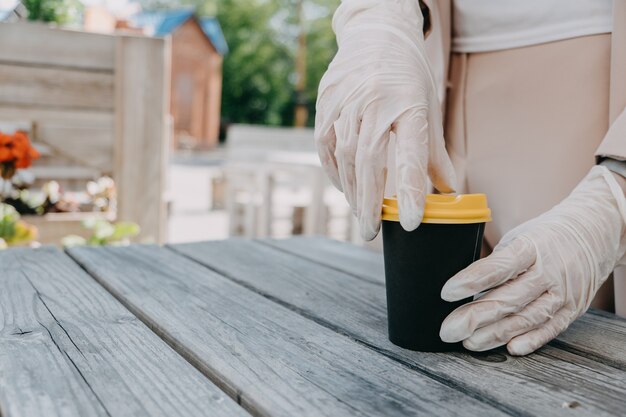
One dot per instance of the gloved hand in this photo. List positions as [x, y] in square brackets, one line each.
[543, 274]
[380, 82]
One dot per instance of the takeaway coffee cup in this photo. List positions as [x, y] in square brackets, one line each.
[418, 264]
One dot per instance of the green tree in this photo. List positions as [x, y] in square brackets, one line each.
[257, 83]
[259, 70]
[57, 11]
[321, 48]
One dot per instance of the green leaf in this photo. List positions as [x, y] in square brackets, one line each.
[73, 240]
[123, 230]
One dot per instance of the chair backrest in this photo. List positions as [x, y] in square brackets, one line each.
[252, 142]
[97, 105]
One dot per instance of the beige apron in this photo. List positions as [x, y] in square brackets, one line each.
[522, 125]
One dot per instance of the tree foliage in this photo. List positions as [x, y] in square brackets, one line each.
[259, 70]
[56, 11]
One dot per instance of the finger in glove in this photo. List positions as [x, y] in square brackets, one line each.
[411, 167]
[501, 332]
[534, 339]
[495, 305]
[502, 265]
[371, 171]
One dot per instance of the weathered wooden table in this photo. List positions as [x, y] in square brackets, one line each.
[265, 328]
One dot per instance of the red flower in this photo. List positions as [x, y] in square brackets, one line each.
[16, 152]
[6, 143]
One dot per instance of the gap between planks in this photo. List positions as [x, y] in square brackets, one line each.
[93, 339]
[421, 370]
[337, 329]
[132, 292]
[560, 366]
[51, 65]
[569, 341]
[188, 356]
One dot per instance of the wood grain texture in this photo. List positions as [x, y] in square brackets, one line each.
[68, 348]
[48, 87]
[38, 44]
[141, 97]
[345, 257]
[87, 146]
[606, 344]
[274, 361]
[535, 385]
[83, 136]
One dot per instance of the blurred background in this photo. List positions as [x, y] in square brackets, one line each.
[163, 121]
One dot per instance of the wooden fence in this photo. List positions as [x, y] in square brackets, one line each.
[98, 105]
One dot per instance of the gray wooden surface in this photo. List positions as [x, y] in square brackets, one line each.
[68, 348]
[273, 360]
[538, 384]
[284, 328]
[606, 344]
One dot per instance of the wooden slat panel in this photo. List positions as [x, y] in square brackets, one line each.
[30, 43]
[58, 117]
[276, 362]
[142, 100]
[269, 138]
[90, 146]
[53, 227]
[68, 348]
[55, 88]
[344, 257]
[59, 173]
[85, 136]
[537, 384]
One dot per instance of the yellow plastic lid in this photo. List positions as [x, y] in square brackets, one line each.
[446, 209]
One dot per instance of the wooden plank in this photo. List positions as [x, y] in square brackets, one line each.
[269, 138]
[342, 256]
[140, 162]
[68, 348]
[55, 172]
[90, 146]
[597, 335]
[276, 362]
[58, 117]
[38, 44]
[53, 227]
[55, 88]
[535, 385]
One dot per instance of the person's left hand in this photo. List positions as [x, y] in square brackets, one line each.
[543, 274]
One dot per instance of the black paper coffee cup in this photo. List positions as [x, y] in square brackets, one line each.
[418, 264]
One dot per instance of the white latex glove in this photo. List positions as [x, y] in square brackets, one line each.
[380, 82]
[543, 274]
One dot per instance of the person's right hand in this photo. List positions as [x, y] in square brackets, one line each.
[380, 82]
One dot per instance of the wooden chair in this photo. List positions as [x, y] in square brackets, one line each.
[268, 162]
[98, 105]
